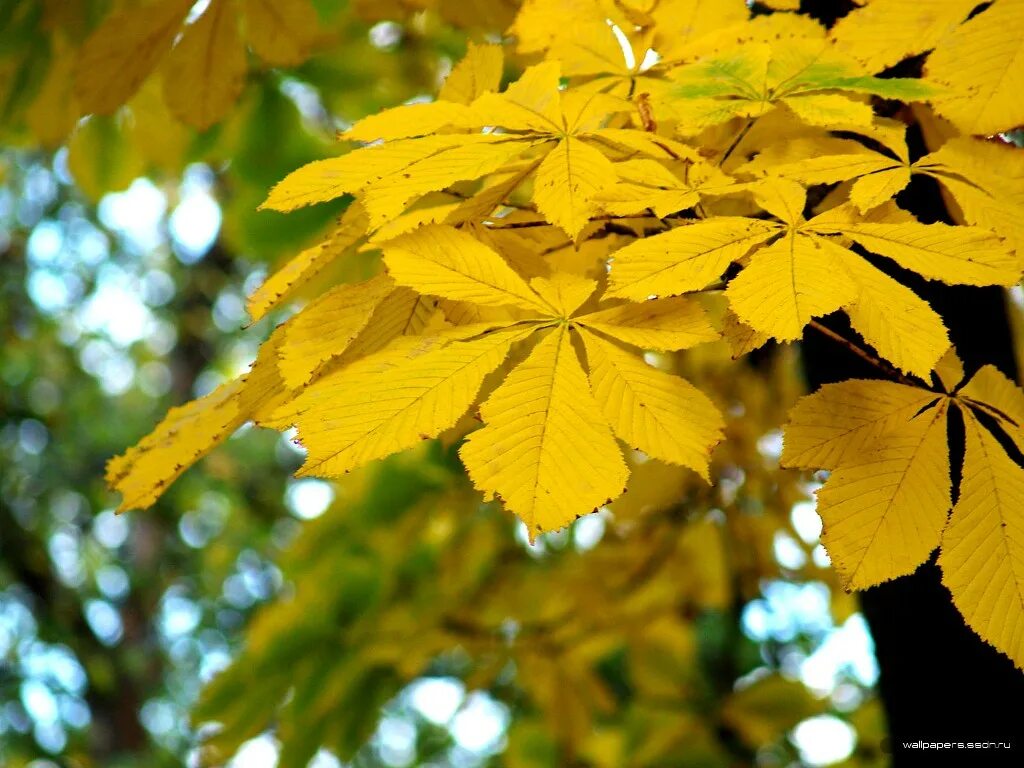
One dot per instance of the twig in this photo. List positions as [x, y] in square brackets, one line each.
[739, 137]
[861, 353]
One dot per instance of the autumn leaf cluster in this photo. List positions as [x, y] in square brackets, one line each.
[646, 185]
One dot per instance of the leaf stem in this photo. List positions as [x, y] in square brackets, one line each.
[861, 353]
[739, 137]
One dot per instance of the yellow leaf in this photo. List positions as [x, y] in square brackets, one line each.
[537, 90]
[327, 179]
[407, 120]
[310, 262]
[808, 144]
[678, 23]
[465, 313]
[564, 291]
[584, 112]
[871, 191]
[647, 144]
[787, 284]
[992, 393]
[419, 214]
[662, 415]
[883, 511]
[741, 338]
[987, 208]
[191, 431]
[694, 115]
[540, 23]
[121, 53]
[884, 32]
[829, 109]
[904, 329]
[783, 198]
[982, 558]
[991, 387]
[442, 261]
[326, 327]
[986, 179]
[647, 172]
[958, 255]
[205, 73]
[412, 390]
[661, 324]
[532, 103]
[891, 134]
[263, 389]
[842, 421]
[544, 449]
[824, 169]
[497, 188]
[685, 259]
[633, 200]
[527, 246]
[567, 182]
[589, 257]
[402, 313]
[592, 49]
[185, 435]
[281, 33]
[477, 73]
[950, 371]
[476, 156]
[645, 183]
[774, 29]
[982, 65]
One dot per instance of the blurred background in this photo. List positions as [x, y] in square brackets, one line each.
[390, 619]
